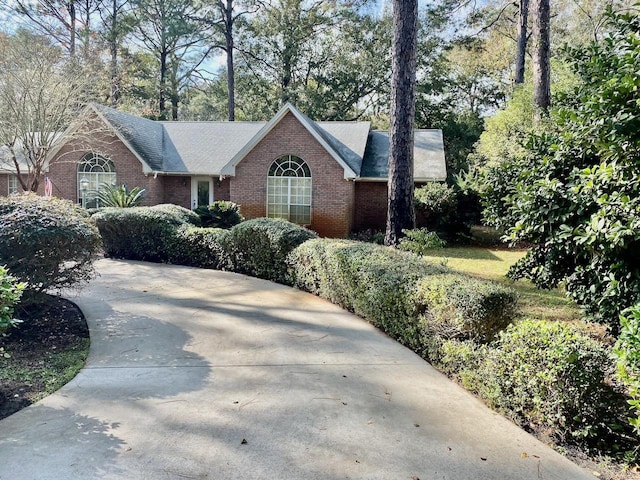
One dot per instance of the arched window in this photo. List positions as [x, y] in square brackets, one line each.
[289, 190]
[98, 171]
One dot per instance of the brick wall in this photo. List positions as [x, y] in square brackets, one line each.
[221, 189]
[63, 168]
[370, 206]
[332, 196]
[4, 184]
[177, 190]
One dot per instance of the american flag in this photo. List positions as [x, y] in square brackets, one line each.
[48, 187]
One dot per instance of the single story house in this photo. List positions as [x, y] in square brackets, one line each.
[330, 176]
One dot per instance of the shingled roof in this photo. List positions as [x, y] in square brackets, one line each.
[214, 148]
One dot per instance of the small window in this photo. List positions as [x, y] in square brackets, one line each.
[13, 184]
[98, 171]
[289, 190]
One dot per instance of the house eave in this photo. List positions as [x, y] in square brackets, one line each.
[385, 179]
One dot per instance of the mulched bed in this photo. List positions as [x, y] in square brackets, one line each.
[51, 326]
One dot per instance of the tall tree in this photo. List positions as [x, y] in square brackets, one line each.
[542, 55]
[400, 208]
[167, 29]
[116, 24]
[523, 37]
[222, 16]
[40, 95]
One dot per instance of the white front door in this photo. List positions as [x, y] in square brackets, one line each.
[201, 191]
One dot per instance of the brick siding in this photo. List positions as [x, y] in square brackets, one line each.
[332, 196]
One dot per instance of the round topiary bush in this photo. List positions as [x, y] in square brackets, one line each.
[47, 243]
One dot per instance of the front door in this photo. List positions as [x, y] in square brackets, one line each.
[201, 191]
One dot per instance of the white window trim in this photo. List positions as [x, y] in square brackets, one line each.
[310, 178]
[12, 183]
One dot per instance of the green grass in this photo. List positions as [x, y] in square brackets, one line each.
[49, 374]
[493, 264]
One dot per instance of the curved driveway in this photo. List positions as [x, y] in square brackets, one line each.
[199, 374]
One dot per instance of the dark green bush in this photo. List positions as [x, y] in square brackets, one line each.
[627, 351]
[260, 247]
[141, 233]
[438, 208]
[464, 308]
[550, 374]
[46, 243]
[10, 293]
[220, 214]
[199, 247]
[389, 288]
[420, 241]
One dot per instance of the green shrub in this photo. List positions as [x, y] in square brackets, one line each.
[10, 293]
[390, 289]
[260, 247]
[460, 307]
[627, 351]
[551, 374]
[199, 247]
[47, 243]
[220, 214]
[438, 208]
[141, 233]
[118, 196]
[420, 241]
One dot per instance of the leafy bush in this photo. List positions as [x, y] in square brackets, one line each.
[198, 247]
[446, 210]
[119, 196]
[141, 233]
[459, 307]
[10, 293]
[627, 350]
[259, 247]
[47, 243]
[420, 241]
[575, 194]
[389, 288]
[550, 374]
[220, 214]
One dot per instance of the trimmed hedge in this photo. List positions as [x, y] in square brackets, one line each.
[551, 374]
[408, 297]
[47, 243]
[198, 247]
[260, 247]
[142, 233]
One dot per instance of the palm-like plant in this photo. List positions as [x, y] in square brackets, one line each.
[119, 196]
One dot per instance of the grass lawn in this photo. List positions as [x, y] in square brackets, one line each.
[493, 264]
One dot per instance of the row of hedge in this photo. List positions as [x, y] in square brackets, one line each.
[543, 375]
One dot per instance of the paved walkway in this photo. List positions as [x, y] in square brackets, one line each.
[198, 374]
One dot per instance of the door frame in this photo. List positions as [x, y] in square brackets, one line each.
[194, 190]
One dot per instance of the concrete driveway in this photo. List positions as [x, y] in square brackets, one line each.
[199, 374]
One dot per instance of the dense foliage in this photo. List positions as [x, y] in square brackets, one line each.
[141, 233]
[10, 293]
[260, 247]
[220, 214]
[628, 352]
[119, 196]
[576, 193]
[46, 243]
[409, 298]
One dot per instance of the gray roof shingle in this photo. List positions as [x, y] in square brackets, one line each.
[204, 148]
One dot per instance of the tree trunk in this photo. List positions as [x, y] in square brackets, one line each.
[523, 31]
[231, 78]
[113, 49]
[163, 85]
[541, 66]
[71, 8]
[400, 208]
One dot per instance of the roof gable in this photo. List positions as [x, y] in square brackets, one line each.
[328, 142]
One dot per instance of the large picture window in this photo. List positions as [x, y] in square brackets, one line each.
[98, 171]
[289, 190]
